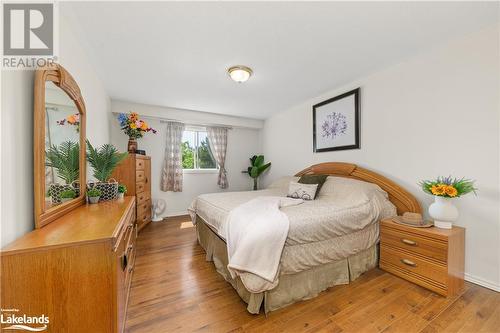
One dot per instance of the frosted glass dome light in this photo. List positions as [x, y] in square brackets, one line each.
[239, 73]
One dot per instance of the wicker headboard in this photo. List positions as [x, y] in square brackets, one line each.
[402, 199]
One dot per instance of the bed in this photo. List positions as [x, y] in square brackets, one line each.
[331, 240]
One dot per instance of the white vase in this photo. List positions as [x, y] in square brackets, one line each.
[443, 212]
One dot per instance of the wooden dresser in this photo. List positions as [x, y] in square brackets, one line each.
[76, 270]
[430, 257]
[135, 173]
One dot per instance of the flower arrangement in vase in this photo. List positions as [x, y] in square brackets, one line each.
[444, 189]
[134, 127]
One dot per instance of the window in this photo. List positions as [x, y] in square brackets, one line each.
[196, 154]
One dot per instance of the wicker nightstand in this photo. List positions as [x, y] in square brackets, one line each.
[430, 257]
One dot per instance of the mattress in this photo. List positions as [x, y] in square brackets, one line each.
[340, 222]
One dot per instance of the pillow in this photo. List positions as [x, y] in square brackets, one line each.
[313, 179]
[282, 182]
[302, 191]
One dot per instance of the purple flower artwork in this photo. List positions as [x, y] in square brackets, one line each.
[334, 125]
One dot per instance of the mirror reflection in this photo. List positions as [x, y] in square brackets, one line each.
[62, 147]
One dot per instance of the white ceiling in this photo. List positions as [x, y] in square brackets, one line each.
[176, 54]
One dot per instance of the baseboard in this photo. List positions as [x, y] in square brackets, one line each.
[185, 212]
[482, 282]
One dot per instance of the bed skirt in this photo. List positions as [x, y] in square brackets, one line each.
[292, 287]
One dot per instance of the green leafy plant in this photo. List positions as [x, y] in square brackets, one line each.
[68, 194]
[448, 187]
[256, 168]
[94, 192]
[122, 188]
[65, 158]
[104, 160]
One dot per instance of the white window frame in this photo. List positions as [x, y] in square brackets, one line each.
[197, 130]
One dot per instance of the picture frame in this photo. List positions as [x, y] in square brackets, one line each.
[336, 123]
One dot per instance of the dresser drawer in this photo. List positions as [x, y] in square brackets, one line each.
[428, 247]
[140, 176]
[144, 210]
[142, 197]
[140, 187]
[139, 164]
[412, 265]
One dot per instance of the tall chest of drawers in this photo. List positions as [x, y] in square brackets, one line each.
[135, 173]
[430, 257]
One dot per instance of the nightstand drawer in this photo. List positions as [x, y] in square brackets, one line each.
[426, 246]
[411, 265]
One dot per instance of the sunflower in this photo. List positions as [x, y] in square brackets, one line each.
[439, 189]
[133, 126]
[451, 191]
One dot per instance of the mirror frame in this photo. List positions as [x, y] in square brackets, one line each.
[61, 78]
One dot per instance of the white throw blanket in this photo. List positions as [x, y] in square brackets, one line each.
[256, 232]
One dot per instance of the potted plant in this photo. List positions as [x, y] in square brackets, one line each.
[67, 195]
[93, 194]
[256, 168]
[122, 189]
[103, 161]
[134, 127]
[444, 189]
[65, 159]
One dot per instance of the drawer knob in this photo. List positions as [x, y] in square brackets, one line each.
[408, 262]
[130, 247]
[408, 242]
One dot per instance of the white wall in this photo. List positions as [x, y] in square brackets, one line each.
[435, 114]
[17, 137]
[243, 142]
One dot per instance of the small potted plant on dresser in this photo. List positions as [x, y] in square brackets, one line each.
[68, 195]
[93, 194]
[103, 161]
[122, 189]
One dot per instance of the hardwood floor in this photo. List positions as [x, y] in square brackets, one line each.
[175, 290]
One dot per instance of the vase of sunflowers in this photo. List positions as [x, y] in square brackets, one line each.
[444, 190]
[134, 127]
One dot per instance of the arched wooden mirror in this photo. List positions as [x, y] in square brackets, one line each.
[59, 144]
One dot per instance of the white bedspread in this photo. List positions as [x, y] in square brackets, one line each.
[256, 232]
[341, 222]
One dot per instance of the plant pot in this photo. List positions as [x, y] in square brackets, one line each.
[121, 195]
[109, 189]
[93, 200]
[443, 212]
[132, 146]
[55, 191]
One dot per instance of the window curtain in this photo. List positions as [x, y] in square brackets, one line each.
[217, 139]
[171, 176]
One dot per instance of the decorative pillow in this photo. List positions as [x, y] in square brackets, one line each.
[314, 179]
[302, 191]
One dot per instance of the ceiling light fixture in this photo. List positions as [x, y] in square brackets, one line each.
[239, 73]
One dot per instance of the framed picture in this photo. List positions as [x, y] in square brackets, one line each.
[336, 123]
